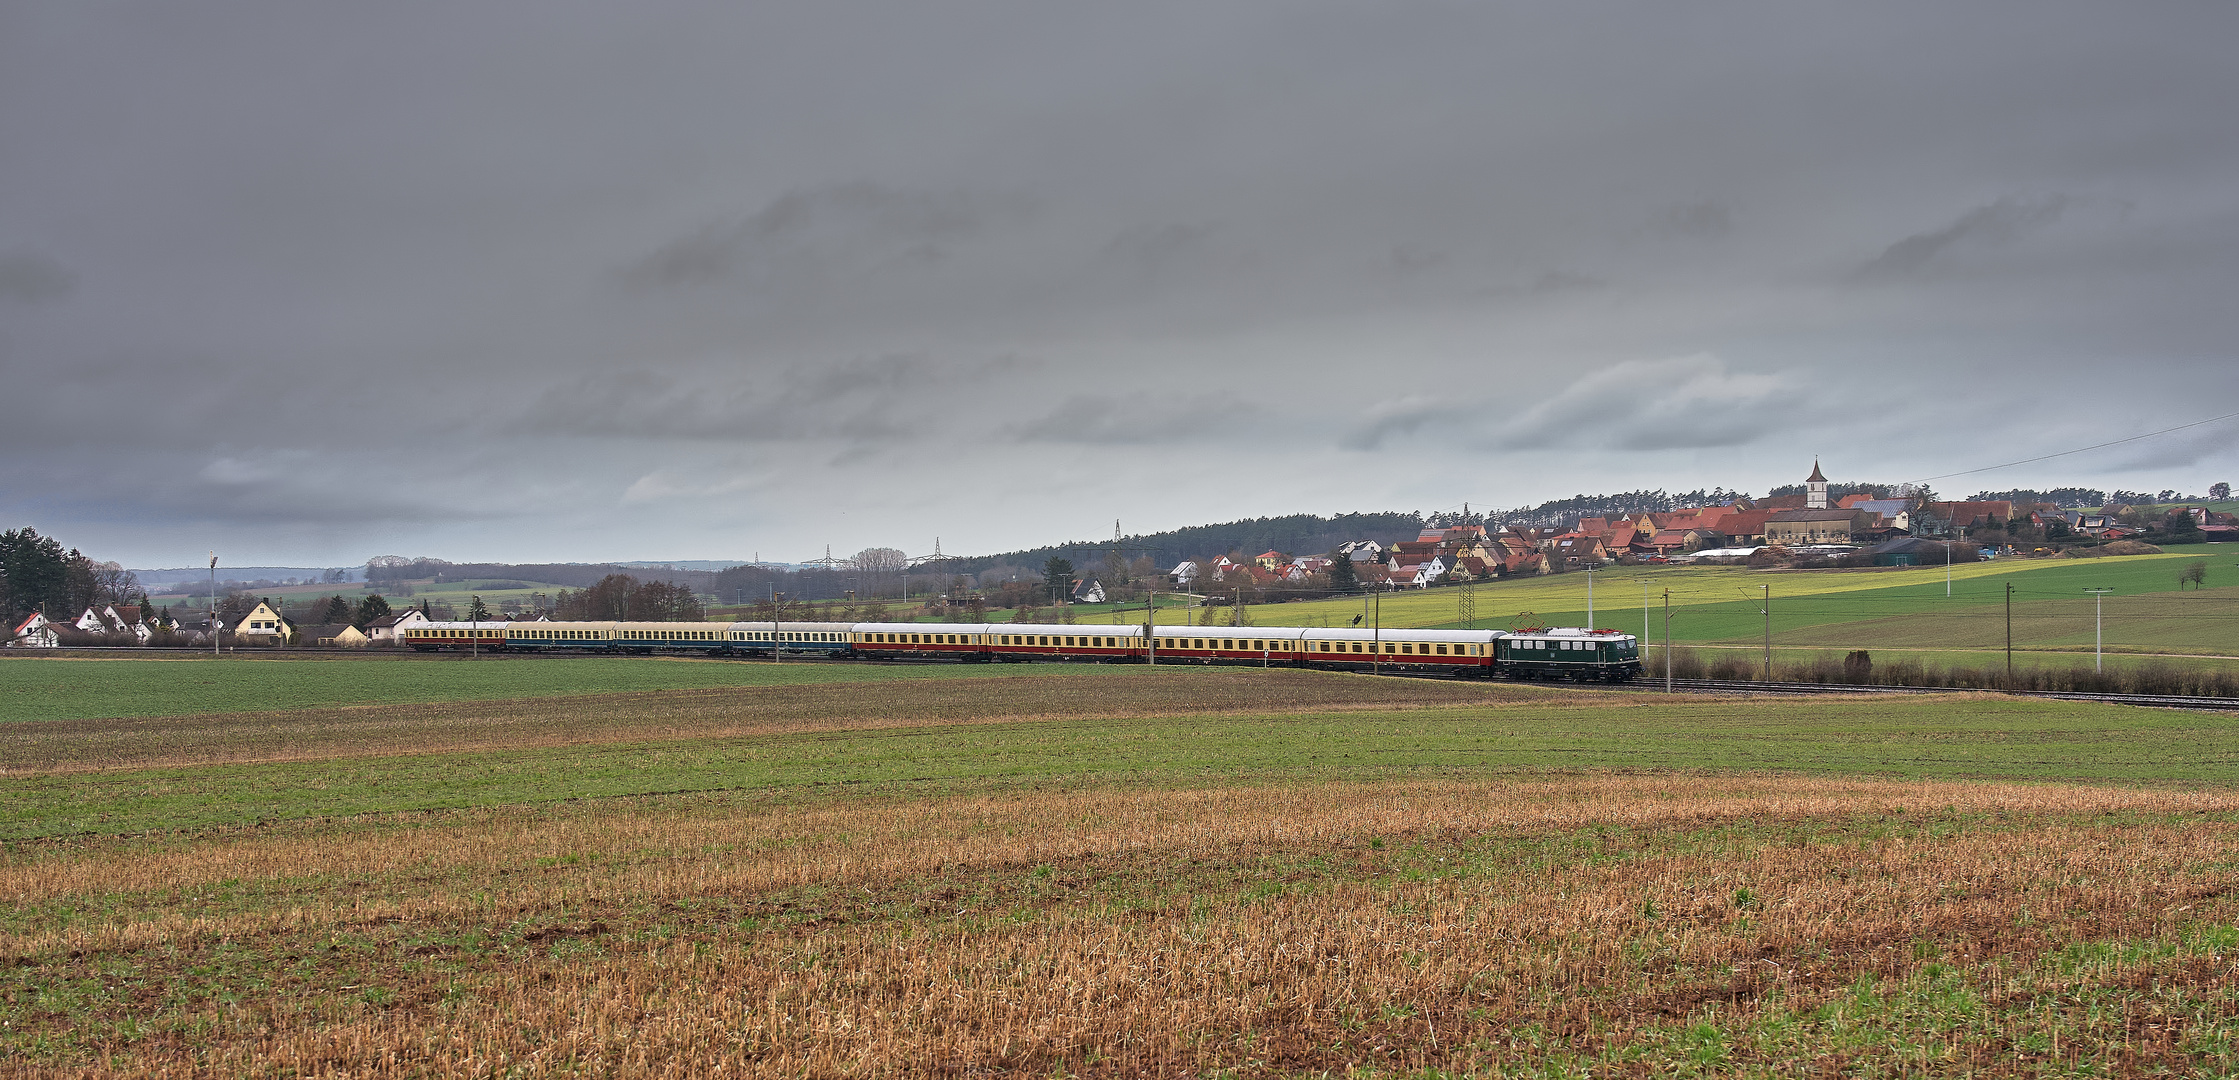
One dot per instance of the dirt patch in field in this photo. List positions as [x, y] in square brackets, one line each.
[1628, 925]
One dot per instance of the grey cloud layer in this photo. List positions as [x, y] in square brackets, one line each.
[760, 274]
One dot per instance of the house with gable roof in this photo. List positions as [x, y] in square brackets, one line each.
[263, 626]
[35, 632]
[389, 629]
[1578, 547]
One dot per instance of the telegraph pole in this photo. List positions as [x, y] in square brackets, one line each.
[1376, 664]
[1589, 599]
[213, 603]
[1150, 626]
[2009, 635]
[2098, 638]
[775, 647]
[1667, 641]
[1768, 632]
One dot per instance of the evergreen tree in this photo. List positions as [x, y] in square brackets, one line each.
[371, 608]
[1342, 576]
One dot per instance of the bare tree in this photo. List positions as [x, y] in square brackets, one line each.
[875, 569]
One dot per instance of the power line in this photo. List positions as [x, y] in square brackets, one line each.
[2079, 450]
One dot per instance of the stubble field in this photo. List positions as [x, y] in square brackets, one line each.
[1124, 873]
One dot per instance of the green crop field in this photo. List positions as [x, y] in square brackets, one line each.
[1910, 738]
[34, 688]
[1898, 608]
[1099, 872]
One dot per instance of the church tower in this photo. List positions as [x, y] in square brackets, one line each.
[1816, 485]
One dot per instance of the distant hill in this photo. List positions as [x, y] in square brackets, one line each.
[188, 575]
[1296, 534]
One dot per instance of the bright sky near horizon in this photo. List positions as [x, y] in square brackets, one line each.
[307, 284]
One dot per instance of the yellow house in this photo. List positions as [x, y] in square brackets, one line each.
[337, 636]
[263, 626]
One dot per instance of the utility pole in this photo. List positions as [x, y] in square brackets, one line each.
[1376, 663]
[1667, 641]
[775, 647]
[1589, 599]
[2098, 639]
[1645, 624]
[2009, 635]
[1150, 626]
[213, 603]
[1768, 632]
[1947, 568]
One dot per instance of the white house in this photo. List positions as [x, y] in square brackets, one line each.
[1183, 573]
[1420, 575]
[387, 630]
[1363, 551]
[1090, 593]
[35, 632]
[111, 619]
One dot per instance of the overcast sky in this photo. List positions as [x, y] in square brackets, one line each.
[307, 283]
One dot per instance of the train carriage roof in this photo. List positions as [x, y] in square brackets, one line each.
[1355, 634]
[1100, 629]
[492, 625]
[924, 628]
[1280, 633]
[791, 627]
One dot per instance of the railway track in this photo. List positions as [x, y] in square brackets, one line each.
[1722, 686]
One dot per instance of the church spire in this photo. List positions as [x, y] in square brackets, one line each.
[1815, 478]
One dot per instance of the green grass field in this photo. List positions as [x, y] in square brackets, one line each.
[35, 688]
[1940, 738]
[1447, 729]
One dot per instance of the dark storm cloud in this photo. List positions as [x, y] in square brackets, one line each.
[1684, 403]
[466, 280]
[31, 278]
[878, 399]
[1397, 418]
[2001, 222]
[1141, 418]
[843, 231]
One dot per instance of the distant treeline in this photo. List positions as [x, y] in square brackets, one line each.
[1839, 490]
[1560, 513]
[1295, 534]
[389, 568]
[2067, 496]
